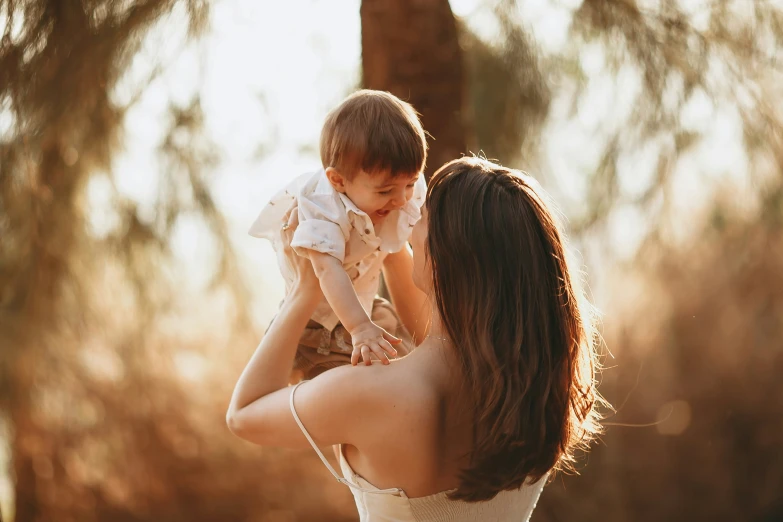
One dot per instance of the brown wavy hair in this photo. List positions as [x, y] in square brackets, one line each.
[523, 332]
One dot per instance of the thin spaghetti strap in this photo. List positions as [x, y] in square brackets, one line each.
[307, 435]
[340, 479]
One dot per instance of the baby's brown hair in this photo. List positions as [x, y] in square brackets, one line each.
[373, 131]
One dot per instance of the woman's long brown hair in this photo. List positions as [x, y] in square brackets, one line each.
[521, 328]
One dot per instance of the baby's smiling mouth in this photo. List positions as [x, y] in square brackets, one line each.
[382, 213]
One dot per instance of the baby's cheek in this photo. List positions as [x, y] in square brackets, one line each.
[377, 200]
[365, 201]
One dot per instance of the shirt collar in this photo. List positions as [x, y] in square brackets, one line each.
[325, 187]
[412, 207]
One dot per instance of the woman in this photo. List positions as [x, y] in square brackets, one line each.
[500, 392]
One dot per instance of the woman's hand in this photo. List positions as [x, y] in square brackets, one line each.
[306, 284]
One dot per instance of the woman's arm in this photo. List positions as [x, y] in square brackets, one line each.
[270, 366]
[411, 303]
[259, 410]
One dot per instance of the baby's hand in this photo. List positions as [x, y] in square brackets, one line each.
[369, 337]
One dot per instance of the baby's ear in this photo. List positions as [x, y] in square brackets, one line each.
[336, 179]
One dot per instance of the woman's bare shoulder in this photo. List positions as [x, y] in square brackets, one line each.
[378, 382]
[386, 394]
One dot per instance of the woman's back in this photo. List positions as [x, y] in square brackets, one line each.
[423, 440]
[397, 506]
[422, 436]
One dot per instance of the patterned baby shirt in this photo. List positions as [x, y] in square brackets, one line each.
[330, 223]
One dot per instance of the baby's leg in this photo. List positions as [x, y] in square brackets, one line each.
[317, 352]
[320, 350]
[308, 363]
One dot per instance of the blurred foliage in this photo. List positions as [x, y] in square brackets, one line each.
[98, 427]
[102, 423]
[729, 61]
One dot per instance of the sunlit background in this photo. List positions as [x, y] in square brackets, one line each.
[132, 165]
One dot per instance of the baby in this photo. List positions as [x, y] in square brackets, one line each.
[361, 206]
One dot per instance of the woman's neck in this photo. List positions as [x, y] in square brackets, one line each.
[436, 329]
[440, 350]
[438, 342]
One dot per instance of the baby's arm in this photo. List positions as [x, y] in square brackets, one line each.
[408, 300]
[366, 336]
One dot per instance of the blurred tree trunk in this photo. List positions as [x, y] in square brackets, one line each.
[411, 49]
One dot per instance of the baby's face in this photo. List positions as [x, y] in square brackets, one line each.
[379, 193]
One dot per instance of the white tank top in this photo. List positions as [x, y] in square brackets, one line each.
[393, 505]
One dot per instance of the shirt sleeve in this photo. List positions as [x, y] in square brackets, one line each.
[270, 219]
[323, 226]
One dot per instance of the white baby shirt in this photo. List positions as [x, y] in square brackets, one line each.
[329, 222]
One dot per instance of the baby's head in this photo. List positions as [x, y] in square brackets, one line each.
[373, 149]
